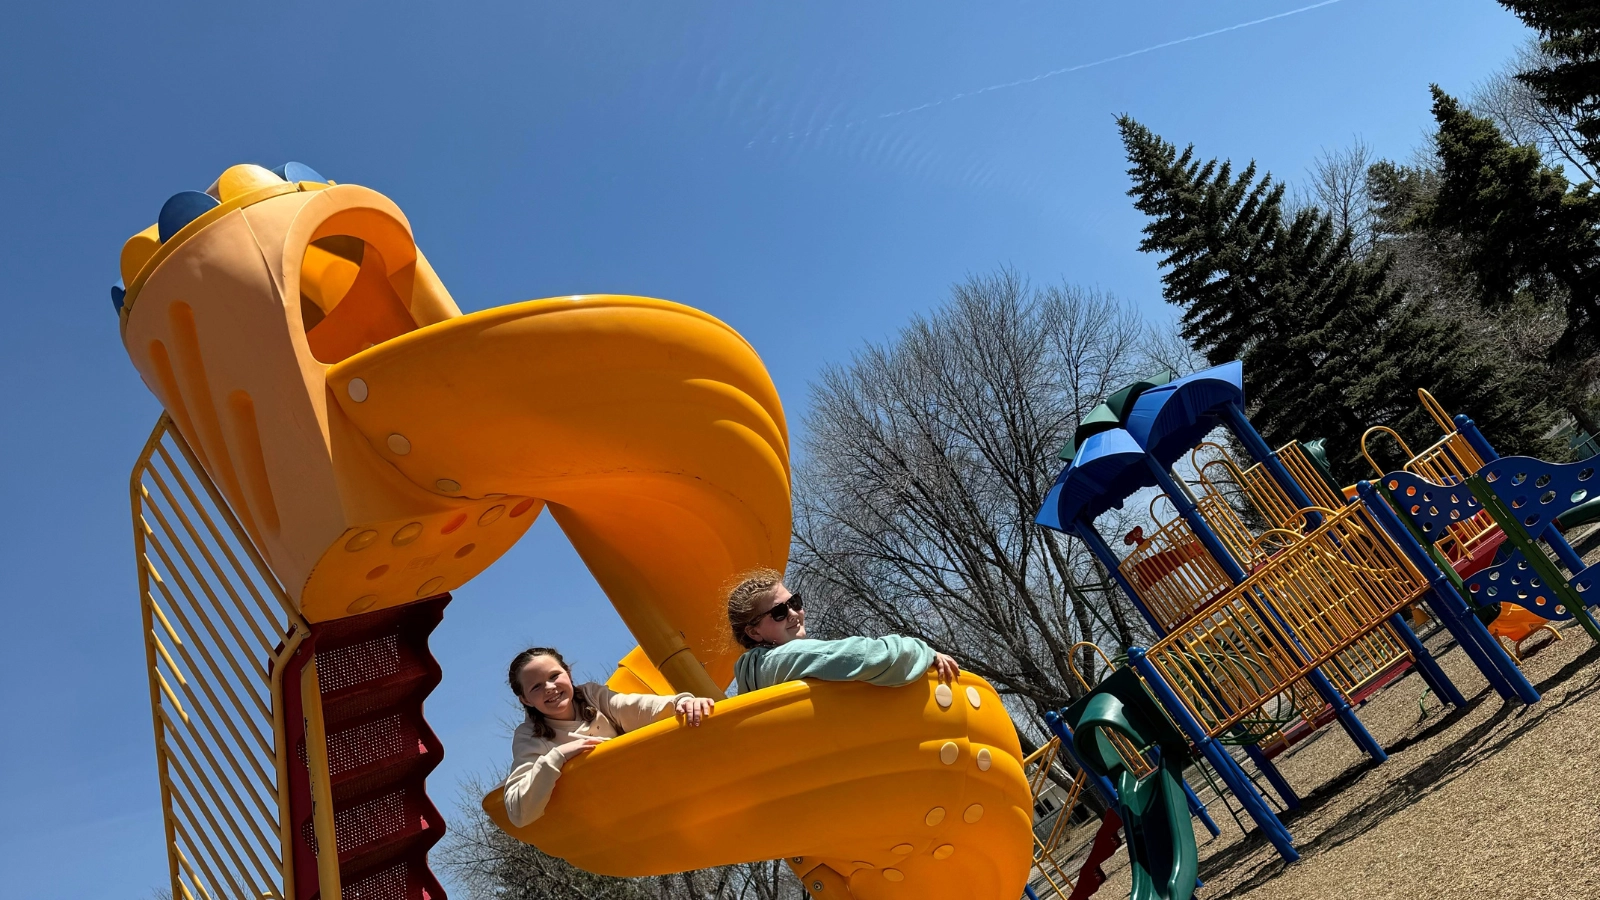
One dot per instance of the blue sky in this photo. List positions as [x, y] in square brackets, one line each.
[765, 162]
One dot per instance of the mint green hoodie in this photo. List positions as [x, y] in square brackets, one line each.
[889, 661]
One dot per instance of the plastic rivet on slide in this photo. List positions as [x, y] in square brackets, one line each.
[357, 389]
[362, 604]
[935, 815]
[447, 485]
[944, 851]
[797, 860]
[974, 697]
[893, 875]
[431, 586]
[361, 541]
[406, 534]
[949, 753]
[901, 850]
[491, 515]
[816, 886]
[399, 445]
[973, 813]
[985, 760]
[943, 695]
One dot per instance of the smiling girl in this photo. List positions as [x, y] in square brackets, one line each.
[564, 720]
[770, 622]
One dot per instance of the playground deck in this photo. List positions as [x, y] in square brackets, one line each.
[1486, 802]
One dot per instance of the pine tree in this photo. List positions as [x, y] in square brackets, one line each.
[1569, 32]
[1330, 346]
[1524, 229]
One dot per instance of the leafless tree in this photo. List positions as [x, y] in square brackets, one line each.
[1525, 119]
[492, 865]
[1338, 185]
[927, 459]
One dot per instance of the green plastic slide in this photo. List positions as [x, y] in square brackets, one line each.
[1154, 809]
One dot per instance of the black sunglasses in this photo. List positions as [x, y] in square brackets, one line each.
[780, 611]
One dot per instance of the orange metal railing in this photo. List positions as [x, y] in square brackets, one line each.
[1173, 574]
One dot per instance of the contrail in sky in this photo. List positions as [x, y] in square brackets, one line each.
[1077, 68]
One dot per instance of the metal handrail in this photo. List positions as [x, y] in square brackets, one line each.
[1302, 608]
[218, 632]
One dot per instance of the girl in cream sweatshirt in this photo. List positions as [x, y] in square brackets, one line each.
[565, 720]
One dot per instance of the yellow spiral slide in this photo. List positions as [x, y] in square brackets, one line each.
[380, 447]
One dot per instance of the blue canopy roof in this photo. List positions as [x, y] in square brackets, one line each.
[1106, 470]
[1171, 419]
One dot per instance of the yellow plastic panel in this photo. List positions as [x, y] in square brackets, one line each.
[137, 251]
[651, 429]
[846, 775]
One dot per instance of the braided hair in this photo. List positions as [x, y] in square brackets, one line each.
[742, 599]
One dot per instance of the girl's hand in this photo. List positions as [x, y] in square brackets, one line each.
[693, 710]
[581, 745]
[947, 667]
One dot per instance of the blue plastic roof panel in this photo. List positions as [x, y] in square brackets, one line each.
[1171, 419]
[1107, 469]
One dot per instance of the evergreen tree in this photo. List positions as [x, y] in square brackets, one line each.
[1523, 227]
[1569, 32]
[1330, 345]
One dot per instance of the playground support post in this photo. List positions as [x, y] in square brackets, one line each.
[1552, 535]
[1427, 666]
[1318, 681]
[1239, 423]
[1214, 753]
[1097, 546]
[1503, 675]
[1291, 800]
[1100, 784]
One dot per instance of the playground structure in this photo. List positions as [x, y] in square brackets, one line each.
[342, 448]
[1264, 638]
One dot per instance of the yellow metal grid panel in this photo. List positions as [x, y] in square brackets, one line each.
[1048, 851]
[217, 629]
[1302, 607]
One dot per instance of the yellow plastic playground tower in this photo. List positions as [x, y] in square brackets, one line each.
[342, 447]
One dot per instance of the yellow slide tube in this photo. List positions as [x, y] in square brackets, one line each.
[380, 447]
[879, 793]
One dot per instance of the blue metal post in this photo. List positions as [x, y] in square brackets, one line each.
[1214, 753]
[1475, 640]
[1274, 777]
[1027, 891]
[1427, 667]
[1198, 809]
[1197, 523]
[1100, 784]
[1552, 535]
[1324, 688]
[1253, 442]
[1097, 545]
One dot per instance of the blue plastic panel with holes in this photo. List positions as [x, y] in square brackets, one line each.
[1514, 581]
[1538, 491]
[1429, 506]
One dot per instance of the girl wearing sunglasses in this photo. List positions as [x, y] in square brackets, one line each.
[770, 623]
[564, 720]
